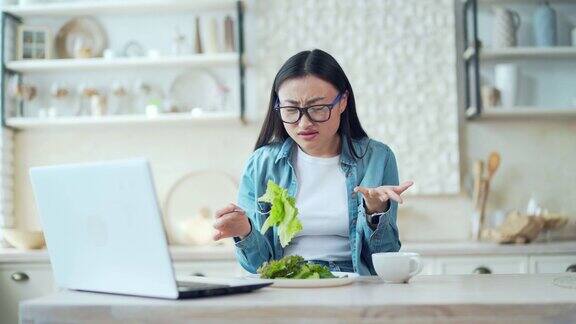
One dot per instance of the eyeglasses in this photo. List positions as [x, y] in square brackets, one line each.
[316, 113]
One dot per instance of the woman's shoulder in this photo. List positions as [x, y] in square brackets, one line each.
[372, 147]
[377, 162]
[266, 153]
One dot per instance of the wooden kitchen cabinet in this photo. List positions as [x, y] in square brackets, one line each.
[482, 265]
[552, 263]
[21, 281]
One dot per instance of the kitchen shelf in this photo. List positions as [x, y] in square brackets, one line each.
[529, 53]
[59, 65]
[474, 56]
[528, 112]
[116, 7]
[122, 120]
[16, 14]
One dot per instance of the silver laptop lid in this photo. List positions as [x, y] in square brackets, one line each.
[103, 228]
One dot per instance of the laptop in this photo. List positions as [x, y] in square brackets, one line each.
[104, 232]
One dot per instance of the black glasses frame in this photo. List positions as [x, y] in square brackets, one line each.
[304, 110]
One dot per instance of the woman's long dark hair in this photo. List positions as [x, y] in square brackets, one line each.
[322, 65]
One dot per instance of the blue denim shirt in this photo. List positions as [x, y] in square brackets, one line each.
[274, 162]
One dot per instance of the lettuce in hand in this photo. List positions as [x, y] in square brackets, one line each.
[283, 213]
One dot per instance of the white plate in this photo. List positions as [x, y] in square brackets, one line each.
[201, 89]
[86, 30]
[343, 278]
[191, 202]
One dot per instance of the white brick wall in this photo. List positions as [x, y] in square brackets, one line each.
[6, 179]
[400, 58]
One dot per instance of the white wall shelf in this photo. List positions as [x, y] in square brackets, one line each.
[40, 69]
[59, 65]
[566, 52]
[528, 112]
[116, 7]
[22, 123]
[545, 71]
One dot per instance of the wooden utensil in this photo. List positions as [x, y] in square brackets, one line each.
[493, 164]
[484, 188]
[477, 173]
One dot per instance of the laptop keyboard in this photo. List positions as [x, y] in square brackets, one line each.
[191, 286]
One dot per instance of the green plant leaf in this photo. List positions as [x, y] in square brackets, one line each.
[283, 213]
[293, 267]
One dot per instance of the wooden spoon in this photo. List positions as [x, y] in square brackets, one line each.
[493, 164]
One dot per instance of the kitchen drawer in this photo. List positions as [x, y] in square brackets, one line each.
[20, 282]
[552, 263]
[478, 264]
[208, 268]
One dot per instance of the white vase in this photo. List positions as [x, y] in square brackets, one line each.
[506, 80]
[545, 26]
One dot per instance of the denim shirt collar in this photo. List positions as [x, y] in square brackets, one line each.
[345, 153]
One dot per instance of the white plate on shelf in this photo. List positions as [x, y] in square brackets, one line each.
[84, 30]
[343, 278]
[198, 89]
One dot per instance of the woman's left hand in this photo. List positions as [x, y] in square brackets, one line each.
[376, 199]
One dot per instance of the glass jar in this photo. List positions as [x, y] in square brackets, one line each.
[61, 100]
[119, 102]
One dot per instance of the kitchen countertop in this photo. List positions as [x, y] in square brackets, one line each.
[482, 248]
[178, 253]
[486, 298]
[430, 249]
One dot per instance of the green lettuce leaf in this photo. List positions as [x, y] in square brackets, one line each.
[293, 267]
[283, 213]
[286, 267]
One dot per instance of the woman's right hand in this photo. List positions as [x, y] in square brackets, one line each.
[230, 222]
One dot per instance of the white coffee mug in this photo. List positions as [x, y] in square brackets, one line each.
[397, 267]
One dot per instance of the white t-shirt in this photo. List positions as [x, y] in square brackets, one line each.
[322, 202]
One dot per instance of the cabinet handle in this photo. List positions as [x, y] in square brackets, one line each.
[571, 268]
[199, 274]
[482, 270]
[20, 276]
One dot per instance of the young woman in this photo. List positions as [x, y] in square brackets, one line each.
[345, 184]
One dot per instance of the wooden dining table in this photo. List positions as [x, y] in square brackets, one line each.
[515, 298]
